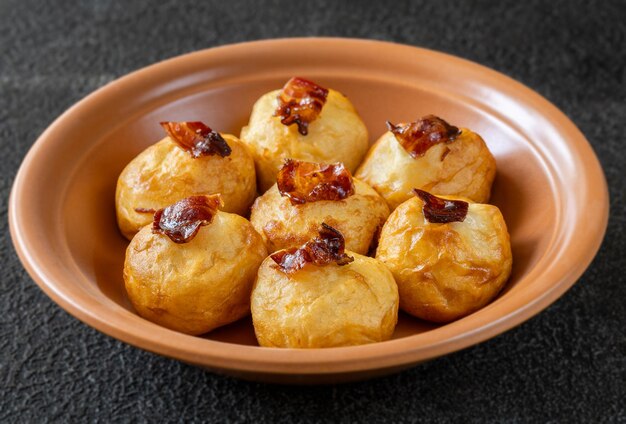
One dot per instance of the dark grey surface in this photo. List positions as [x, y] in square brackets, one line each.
[567, 364]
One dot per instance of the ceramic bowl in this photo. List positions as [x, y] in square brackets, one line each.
[549, 186]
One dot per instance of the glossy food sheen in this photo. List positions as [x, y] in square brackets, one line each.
[305, 182]
[337, 135]
[328, 247]
[196, 286]
[464, 167]
[446, 271]
[164, 173]
[197, 138]
[300, 103]
[419, 136]
[358, 217]
[439, 210]
[325, 306]
[182, 220]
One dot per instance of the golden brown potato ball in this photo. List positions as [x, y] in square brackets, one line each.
[431, 155]
[359, 213]
[445, 268]
[319, 126]
[196, 274]
[316, 302]
[169, 171]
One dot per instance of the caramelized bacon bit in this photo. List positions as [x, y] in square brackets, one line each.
[197, 138]
[305, 182]
[324, 249]
[418, 137]
[182, 220]
[441, 211]
[301, 101]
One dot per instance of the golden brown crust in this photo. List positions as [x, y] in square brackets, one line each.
[327, 306]
[446, 271]
[283, 225]
[165, 173]
[337, 135]
[464, 167]
[197, 286]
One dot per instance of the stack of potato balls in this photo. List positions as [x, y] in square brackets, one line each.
[321, 258]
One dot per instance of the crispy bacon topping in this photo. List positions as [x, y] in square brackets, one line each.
[182, 220]
[324, 249]
[301, 101]
[418, 137]
[197, 138]
[441, 211]
[305, 182]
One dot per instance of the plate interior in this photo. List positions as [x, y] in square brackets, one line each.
[522, 189]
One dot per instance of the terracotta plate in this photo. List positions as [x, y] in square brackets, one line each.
[549, 186]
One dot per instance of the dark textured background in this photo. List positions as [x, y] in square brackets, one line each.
[567, 364]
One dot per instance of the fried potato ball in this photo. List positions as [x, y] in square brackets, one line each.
[324, 306]
[196, 286]
[462, 167]
[337, 135]
[445, 271]
[165, 173]
[358, 217]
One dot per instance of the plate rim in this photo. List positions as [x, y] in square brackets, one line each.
[254, 359]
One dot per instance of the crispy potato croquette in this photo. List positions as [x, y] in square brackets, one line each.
[302, 300]
[448, 268]
[330, 130]
[430, 155]
[286, 217]
[168, 171]
[193, 272]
